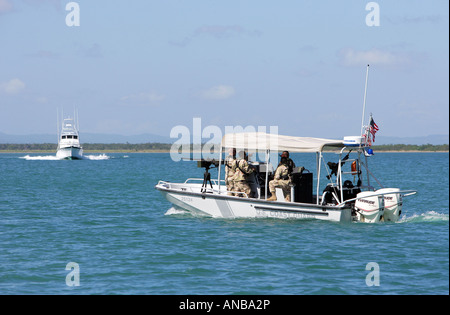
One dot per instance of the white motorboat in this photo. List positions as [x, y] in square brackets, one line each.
[347, 195]
[342, 199]
[69, 147]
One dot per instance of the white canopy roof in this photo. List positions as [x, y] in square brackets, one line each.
[274, 142]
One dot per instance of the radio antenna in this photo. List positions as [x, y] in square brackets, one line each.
[364, 105]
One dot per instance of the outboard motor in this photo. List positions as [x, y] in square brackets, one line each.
[369, 208]
[392, 204]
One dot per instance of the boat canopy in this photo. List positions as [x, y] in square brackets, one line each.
[275, 142]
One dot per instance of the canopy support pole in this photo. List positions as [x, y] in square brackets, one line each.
[220, 166]
[318, 160]
[364, 104]
[267, 173]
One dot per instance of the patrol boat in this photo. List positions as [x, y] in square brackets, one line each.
[347, 195]
[69, 147]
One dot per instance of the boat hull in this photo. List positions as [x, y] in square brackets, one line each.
[220, 205]
[70, 153]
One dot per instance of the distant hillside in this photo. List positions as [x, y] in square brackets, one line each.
[86, 138]
[151, 138]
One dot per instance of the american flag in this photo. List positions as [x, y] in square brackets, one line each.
[373, 128]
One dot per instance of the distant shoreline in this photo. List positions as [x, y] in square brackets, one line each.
[165, 151]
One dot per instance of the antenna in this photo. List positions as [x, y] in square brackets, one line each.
[364, 105]
[57, 123]
[78, 124]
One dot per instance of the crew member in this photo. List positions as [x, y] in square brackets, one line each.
[243, 170]
[282, 179]
[230, 170]
[290, 163]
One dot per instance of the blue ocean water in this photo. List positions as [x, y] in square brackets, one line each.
[104, 214]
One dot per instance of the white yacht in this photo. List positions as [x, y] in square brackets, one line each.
[69, 147]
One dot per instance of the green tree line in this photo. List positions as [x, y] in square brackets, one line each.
[411, 147]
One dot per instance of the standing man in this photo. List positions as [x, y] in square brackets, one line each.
[230, 170]
[243, 170]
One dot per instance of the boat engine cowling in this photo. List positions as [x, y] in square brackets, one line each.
[369, 208]
[392, 204]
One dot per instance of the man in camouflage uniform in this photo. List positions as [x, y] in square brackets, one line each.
[243, 170]
[282, 179]
[290, 163]
[230, 171]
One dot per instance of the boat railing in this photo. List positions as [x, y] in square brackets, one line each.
[197, 187]
[215, 182]
[191, 185]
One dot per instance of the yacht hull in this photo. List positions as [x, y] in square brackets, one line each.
[70, 153]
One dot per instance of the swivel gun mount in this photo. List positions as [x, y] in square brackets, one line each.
[207, 164]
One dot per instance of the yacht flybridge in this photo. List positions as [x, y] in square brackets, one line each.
[347, 194]
[69, 147]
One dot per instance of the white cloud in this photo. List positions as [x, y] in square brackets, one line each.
[44, 54]
[5, 6]
[219, 92]
[13, 86]
[351, 57]
[217, 32]
[41, 99]
[95, 51]
[143, 99]
[225, 31]
[396, 20]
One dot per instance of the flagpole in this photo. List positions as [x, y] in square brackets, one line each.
[364, 105]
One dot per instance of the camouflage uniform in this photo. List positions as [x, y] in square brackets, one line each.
[281, 180]
[230, 171]
[243, 169]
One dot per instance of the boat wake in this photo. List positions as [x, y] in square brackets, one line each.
[180, 212]
[40, 158]
[96, 157]
[173, 211]
[429, 216]
[54, 158]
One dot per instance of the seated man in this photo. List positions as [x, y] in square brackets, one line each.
[282, 179]
[290, 163]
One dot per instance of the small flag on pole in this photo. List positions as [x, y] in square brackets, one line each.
[373, 128]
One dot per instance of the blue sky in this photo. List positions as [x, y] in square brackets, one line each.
[146, 66]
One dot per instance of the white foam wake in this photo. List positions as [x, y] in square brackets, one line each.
[429, 216]
[96, 157]
[40, 158]
[54, 158]
[173, 211]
